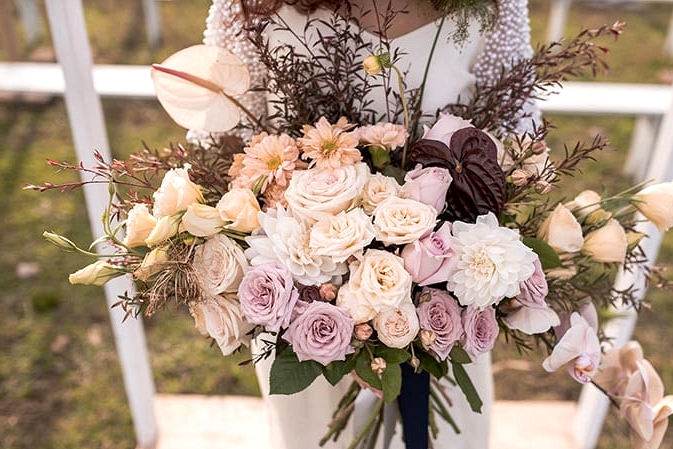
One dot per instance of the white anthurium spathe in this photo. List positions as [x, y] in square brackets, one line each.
[197, 85]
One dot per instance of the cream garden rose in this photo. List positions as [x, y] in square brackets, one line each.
[176, 192]
[399, 221]
[377, 189]
[316, 193]
[343, 235]
[220, 263]
[220, 318]
[397, 327]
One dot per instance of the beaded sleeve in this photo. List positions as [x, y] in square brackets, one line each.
[507, 42]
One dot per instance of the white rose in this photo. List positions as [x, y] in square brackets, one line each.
[360, 311]
[220, 317]
[220, 263]
[607, 243]
[380, 279]
[176, 193]
[315, 194]
[139, 224]
[399, 221]
[202, 220]
[239, 207]
[656, 204]
[343, 235]
[378, 188]
[165, 228]
[397, 327]
[562, 231]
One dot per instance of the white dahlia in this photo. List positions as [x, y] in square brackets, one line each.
[489, 262]
[286, 240]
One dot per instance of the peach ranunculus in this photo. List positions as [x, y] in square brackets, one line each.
[239, 209]
[606, 244]
[562, 231]
[655, 202]
[399, 221]
[579, 350]
[176, 192]
[397, 327]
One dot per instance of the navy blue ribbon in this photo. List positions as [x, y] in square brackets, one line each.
[414, 401]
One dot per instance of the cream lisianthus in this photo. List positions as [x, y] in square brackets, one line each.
[377, 189]
[329, 146]
[239, 208]
[584, 203]
[562, 231]
[343, 235]
[176, 192]
[491, 262]
[655, 202]
[97, 273]
[166, 227]
[202, 220]
[607, 243]
[399, 221]
[152, 263]
[139, 224]
[315, 194]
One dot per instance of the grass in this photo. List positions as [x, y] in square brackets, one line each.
[60, 382]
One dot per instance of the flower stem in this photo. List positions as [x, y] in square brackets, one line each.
[368, 425]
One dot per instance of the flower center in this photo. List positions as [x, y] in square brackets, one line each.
[273, 163]
[329, 147]
[481, 263]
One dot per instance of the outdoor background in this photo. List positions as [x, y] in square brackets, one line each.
[60, 382]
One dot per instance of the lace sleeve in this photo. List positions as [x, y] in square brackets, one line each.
[225, 27]
[507, 42]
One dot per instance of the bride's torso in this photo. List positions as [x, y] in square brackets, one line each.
[448, 75]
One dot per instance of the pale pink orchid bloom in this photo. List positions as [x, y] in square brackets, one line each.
[579, 350]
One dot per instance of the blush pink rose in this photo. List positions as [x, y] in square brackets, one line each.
[444, 128]
[440, 313]
[427, 185]
[428, 259]
[481, 330]
[268, 296]
[322, 333]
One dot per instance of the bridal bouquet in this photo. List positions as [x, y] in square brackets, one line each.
[354, 247]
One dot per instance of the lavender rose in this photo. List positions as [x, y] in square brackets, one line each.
[481, 330]
[267, 296]
[427, 185]
[440, 313]
[428, 259]
[322, 333]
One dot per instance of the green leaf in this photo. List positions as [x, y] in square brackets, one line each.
[363, 368]
[432, 365]
[548, 257]
[467, 387]
[289, 375]
[458, 355]
[335, 371]
[391, 380]
[392, 355]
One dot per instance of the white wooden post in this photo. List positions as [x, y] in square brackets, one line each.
[30, 19]
[85, 113]
[668, 42]
[558, 14]
[593, 405]
[152, 22]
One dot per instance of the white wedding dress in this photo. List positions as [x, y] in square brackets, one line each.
[299, 421]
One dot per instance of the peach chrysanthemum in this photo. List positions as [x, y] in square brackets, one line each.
[330, 146]
[271, 159]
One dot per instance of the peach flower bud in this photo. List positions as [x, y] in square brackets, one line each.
[152, 263]
[543, 187]
[240, 207]
[656, 204]
[520, 177]
[165, 228]
[415, 362]
[372, 65]
[606, 244]
[328, 292]
[428, 337]
[378, 365]
[363, 331]
[97, 273]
